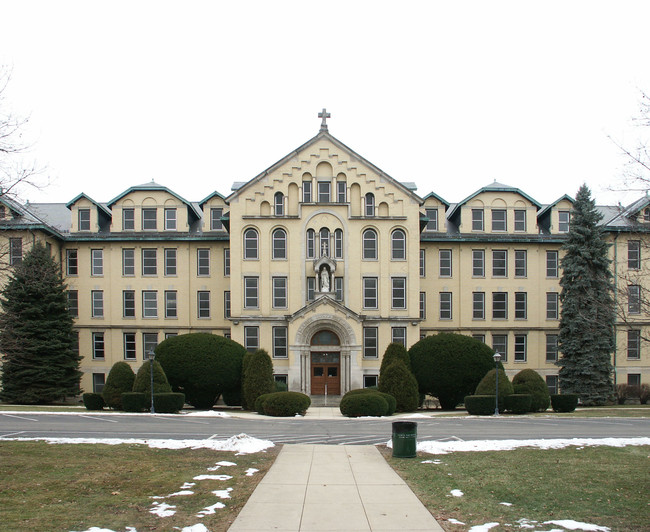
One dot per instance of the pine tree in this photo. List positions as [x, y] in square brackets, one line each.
[586, 338]
[39, 363]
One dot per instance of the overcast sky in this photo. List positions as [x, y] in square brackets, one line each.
[451, 95]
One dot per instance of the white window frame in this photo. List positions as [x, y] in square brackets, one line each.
[369, 244]
[478, 305]
[398, 245]
[521, 305]
[370, 293]
[251, 244]
[445, 262]
[499, 220]
[203, 262]
[97, 303]
[128, 219]
[499, 305]
[203, 304]
[279, 244]
[171, 259]
[99, 346]
[251, 292]
[280, 342]
[149, 223]
[478, 263]
[149, 304]
[251, 338]
[445, 306]
[128, 262]
[500, 263]
[97, 262]
[170, 219]
[552, 306]
[398, 335]
[71, 262]
[149, 262]
[128, 303]
[370, 342]
[280, 296]
[521, 263]
[398, 294]
[171, 304]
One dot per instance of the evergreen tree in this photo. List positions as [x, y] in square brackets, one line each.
[142, 382]
[586, 338]
[39, 363]
[258, 377]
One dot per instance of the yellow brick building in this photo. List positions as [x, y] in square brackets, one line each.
[323, 260]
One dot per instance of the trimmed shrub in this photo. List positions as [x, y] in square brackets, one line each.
[450, 366]
[134, 401]
[232, 397]
[644, 394]
[280, 404]
[390, 400]
[481, 405]
[201, 365]
[281, 386]
[259, 403]
[93, 401]
[488, 384]
[363, 404]
[394, 352]
[168, 403]
[142, 381]
[398, 381]
[258, 378]
[564, 402]
[518, 403]
[528, 381]
[120, 379]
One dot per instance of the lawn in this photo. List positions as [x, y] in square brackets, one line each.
[605, 486]
[76, 487]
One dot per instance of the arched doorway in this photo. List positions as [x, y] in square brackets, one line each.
[325, 363]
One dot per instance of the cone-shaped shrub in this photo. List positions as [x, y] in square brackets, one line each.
[528, 381]
[488, 384]
[395, 352]
[258, 378]
[120, 380]
[143, 379]
[398, 381]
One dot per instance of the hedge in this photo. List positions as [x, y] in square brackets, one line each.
[363, 404]
[392, 402]
[481, 405]
[142, 381]
[564, 402]
[282, 404]
[488, 384]
[93, 401]
[168, 403]
[259, 403]
[528, 381]
[518, 403]
[120, 379]
[135, 401]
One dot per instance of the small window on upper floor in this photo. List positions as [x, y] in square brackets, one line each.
[341, 191]
[250, 244]
[278, 204]
[215, 219]
[398, 245]
[170, 219]
[149, 222]
[3, 212]
[499, 220]
[324, 191]
[432, 224]
[369, 245]
[370, 204]
[279, 244]
[306, 192]
[646, 214]
[128, 219]
[477, 220]
[84, 219]
[565, 219]
[520, 220]
[310, 245]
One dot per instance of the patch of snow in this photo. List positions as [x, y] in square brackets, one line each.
[162, 509]
[526, 523]
[251, 471]
[188, 485]
[208, 510]
[225, 463]
[207, 413]
[414, 416]
[483, 528]
[214, 468]
[457, 493]
[195, 528]
[506, 503]
[454, 521]
[223, 494]
[212, 477]
[181, 493]
[97, 529]
[570, 524]
[431, 462]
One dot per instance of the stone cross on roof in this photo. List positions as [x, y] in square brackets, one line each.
[324, 115]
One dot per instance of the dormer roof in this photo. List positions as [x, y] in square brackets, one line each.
[101, 207]
[154, 187]
[493, 187]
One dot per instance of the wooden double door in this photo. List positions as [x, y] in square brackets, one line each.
[325, 373]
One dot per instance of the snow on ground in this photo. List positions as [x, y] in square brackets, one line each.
[223, 494]
[457, 493]
[208, 510]
[195, 528]
[570, 524]
[212, 477]
[225, 463]
[206, 413]
[506, 503]
[483, 528]
[162, 509]
[455, 521]
[251, 471]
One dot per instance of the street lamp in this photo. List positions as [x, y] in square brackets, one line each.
[151, 356]
[497, 359]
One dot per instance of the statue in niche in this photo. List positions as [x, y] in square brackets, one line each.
[325, 280]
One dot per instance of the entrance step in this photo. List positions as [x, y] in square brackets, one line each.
[325, 400]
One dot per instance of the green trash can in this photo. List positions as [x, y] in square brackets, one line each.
[405, 435]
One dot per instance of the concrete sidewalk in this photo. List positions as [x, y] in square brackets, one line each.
[333, 488]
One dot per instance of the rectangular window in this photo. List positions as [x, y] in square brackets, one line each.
[203, 262]
[99, 379]
[226, 262]
[128, 219]
[500, 345]
[551, 348]
[149, 222]
[172, 334]
[370, 344]
[634, 299]
[520, 347]
[73, 303]
[445, 305]
[149, 261]
[521, 263]
[499, 263]
[634, 379]
[324, 191]
[499, 220]
[203, 303]
[97, 297]
[251, 292]
[338, 288]
[432, 224]
[521, 304]
[479, 337]
[149, 343]
[398, 292]
[445, 262]
[341, 191]
[499, 305]
[251, 338]
[170, 219]
[423, 305]
[478, 263]
[171, 304]
[149, 304]
[280, 349]
[423, 264]
[170, 262]
[226, 304]
[311, 288]
[370, 292]
[634, 254]
[98, 345]
[129, 346]
[279, 292]
[477, 219]
[552, 264]
[398, 335]
[520, 221]
[84, 219]
[215, 219]
[565, 218]
[128, 303]
[370, 381]
[478, 305]
[128, 262]
[634, 344]
[552, 306]
[306, 192]
[552, 384]
[71, 262]
[96, 262]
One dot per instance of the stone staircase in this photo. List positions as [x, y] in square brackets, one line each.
[325, 400]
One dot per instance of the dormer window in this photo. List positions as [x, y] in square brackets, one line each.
[499, 220]
[149, 220]
[128, 219]
[477, 219]
[3, 212]
[170, 219]
[520, 221]
[432, 224]
[215, 219]
[565, 218]
[646, 214]
[84, 219]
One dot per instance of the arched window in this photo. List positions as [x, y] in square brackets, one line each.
[369, 244]
[338, 244]
[311, 236]
[278, 204]
[250, 244]
[324, 237]
[398, 245]
[279, 244]
[370, 204]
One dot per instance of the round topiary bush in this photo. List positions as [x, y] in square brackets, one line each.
[282, 404]
[93, 401]
[481, 405]
[564, 402]
[363, 404]
[528, 381]
[397, 380]
[134, 401]
[259, 403]
[142, 381]
[258, 378]
[201, 365]
[518, 403]
[120, 379]
[488, 384]
[168, 403]
[394, 352]
[450, 366]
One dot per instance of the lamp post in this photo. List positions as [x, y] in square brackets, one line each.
[151, 357]
[497, 359]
